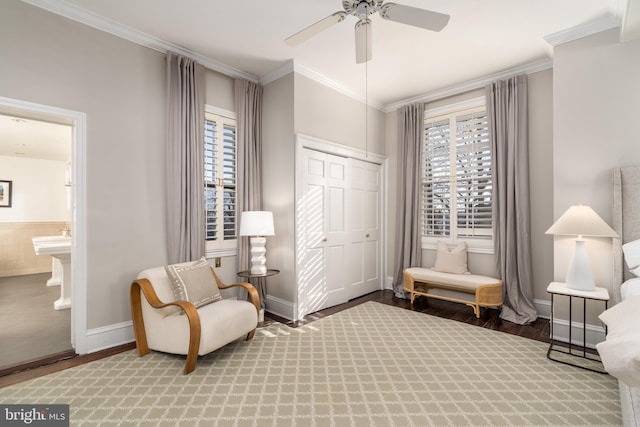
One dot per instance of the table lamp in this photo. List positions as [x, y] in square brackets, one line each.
[257, 225]
[581, 221]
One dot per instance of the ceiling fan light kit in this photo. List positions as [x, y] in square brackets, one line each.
[362, 9]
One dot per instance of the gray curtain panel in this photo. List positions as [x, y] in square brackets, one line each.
[508, 130]
[408, 250]
[185, 159]
[248, 98]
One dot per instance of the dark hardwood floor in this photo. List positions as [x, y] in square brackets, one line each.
[489, 318]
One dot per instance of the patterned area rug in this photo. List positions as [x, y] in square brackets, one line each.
[371, 365]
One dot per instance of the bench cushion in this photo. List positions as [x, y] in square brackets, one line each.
[469, 281]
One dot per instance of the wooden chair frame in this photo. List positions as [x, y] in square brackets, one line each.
[144, 286]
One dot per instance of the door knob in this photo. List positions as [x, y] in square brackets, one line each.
[324, 239]
[366, 235]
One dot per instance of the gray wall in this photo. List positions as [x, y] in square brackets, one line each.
[295, 104]
[540, 92]
[327, 114]
[596, 101]
[53, 61]
[278, 184]
[121, 88]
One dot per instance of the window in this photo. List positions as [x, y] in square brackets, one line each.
[456, 180]
[220, 183]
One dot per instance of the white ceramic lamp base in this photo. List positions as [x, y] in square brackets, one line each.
[258, 258]
[580, 276]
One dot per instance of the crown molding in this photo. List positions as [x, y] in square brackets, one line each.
[603, 23]
[630, 22]
[478, 83]
[101, 23]
[292, 66]
[286, 68]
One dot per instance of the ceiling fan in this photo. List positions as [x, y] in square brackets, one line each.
[422, 18]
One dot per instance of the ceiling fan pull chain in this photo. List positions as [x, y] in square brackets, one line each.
[366, 105]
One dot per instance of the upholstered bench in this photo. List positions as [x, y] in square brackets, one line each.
[487, 291]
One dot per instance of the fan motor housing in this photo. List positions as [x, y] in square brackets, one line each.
[361, 8]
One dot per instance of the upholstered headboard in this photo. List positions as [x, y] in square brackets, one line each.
[626, 220]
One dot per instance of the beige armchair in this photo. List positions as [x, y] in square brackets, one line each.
[162, 323]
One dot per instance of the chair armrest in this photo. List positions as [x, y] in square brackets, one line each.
[154, 301]
[251, 290]
[144, 287]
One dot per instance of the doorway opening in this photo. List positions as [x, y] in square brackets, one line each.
[42, 149]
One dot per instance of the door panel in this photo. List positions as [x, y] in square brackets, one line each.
[321, 234]
[364, 207]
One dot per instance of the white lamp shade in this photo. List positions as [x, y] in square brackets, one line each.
[256, 223]
[581, 221]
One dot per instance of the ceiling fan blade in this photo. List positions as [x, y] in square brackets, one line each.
[314, 29]
[363, 41]
[422, 18]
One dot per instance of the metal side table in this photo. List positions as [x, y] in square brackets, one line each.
[599, 294]
[260, 285]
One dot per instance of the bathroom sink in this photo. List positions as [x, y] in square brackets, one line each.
[50, 245]
[59, 248]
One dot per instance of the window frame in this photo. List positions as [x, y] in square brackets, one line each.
[450, 112]
[221, 248]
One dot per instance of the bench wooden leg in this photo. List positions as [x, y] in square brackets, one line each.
[476, 309]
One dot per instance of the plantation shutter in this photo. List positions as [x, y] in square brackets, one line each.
[456, 180]
[220, 181]
[473, 177]
[210, 175]
[436, 186]
[229, 182]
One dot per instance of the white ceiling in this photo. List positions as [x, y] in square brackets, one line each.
[35, 139]
[246, 38]
[481, 39]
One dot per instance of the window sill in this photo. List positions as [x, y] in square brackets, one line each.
[470, 249]
[219, 253]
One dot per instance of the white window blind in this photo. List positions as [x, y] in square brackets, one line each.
[456, 181]
[436, 183]
[473, 177]
[220, 182]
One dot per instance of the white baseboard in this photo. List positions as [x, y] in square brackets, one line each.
[109, 336]
[280, 307]
[388, 283]
[594, 334]
[543, 308]
[122, 333]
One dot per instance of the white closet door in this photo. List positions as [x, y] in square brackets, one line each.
[364, 209]
[322, 234]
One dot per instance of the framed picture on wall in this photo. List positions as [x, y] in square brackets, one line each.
[5, 193]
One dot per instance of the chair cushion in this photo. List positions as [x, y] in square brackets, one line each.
[222, 322]
[193, 282]
[454, 261]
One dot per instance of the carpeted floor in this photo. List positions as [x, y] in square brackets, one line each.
[371, 365]
[29, 326]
